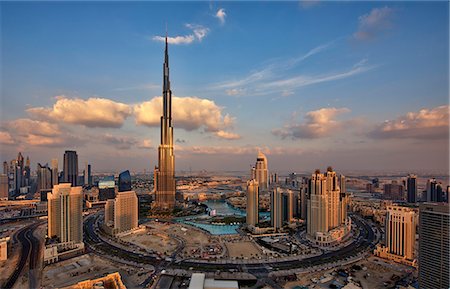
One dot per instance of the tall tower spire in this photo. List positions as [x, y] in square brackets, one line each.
[164, 174]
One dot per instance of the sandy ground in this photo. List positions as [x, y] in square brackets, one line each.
[89, 266]
[197, 243]
[377, 273]
[7, 267]
[244, 249]
[154, 241]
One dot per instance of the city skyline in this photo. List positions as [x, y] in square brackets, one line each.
[368, 95]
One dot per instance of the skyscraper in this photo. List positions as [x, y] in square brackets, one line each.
[71, 167]
[55, 174]
[327, 221]
[434, 246]
[125, 181]
[260, 172]
[122, 212]
[400, 237]
[252, 203]
[5, 167]
[434, 191]
[411, 188]
[3, 186]
[65, 213]
[287, 207]
[164, 177]
[276, 216]
[44, 180]
[85, 174]
[393, 191]
[27, 172]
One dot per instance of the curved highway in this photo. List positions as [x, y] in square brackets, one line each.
[364, 241]
[30, 248]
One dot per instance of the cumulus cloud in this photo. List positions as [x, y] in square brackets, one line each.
[425, 124]
[198, 32]
[25, 131]
[6, 138]
[189, 113]
[25, 126]
[318, 123]
[372, 23]
[221, 15]
[93, 112]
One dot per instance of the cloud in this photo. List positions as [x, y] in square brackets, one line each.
[39, 133]
[93, 112]
[198, 33]
[372, 23]
[318, 124]
[179, 140]
[227, 135]
[146, 144]
[305, 4]
[235, 91]
[6, 138]
[120, 142]
[189, 113]
[25, 126]
[236, 150]
[145, 86]
[425, 124]
[273, 79]
[221, 15]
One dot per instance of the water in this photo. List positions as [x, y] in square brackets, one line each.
[215, 229]
[222, 209]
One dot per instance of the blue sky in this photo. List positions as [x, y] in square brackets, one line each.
[358, 85]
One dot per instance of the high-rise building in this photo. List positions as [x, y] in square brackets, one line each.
[122, 212]
[164, 178]
[5, 167]
[4, 193]
[44, 180]
[317, 204]
[434, 191]
[327, 221]
[107, 188]
[65, 213]
[287, 207]
[411, 188]
[400, 237]
[276, 214]
[27, 173]
[252, 203]
[55, 174]
[125, 181]
[71, 167]
[260, 173]
[434, 245]
[393, 191]
[89, 168]
[85, 174]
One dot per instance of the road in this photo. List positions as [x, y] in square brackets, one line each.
[30, 252]
[364, 241]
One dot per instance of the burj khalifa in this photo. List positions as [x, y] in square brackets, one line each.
[164, 174]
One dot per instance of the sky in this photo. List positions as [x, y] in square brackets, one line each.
[354, 85]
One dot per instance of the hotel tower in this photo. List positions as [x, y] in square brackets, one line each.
[164, 174]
